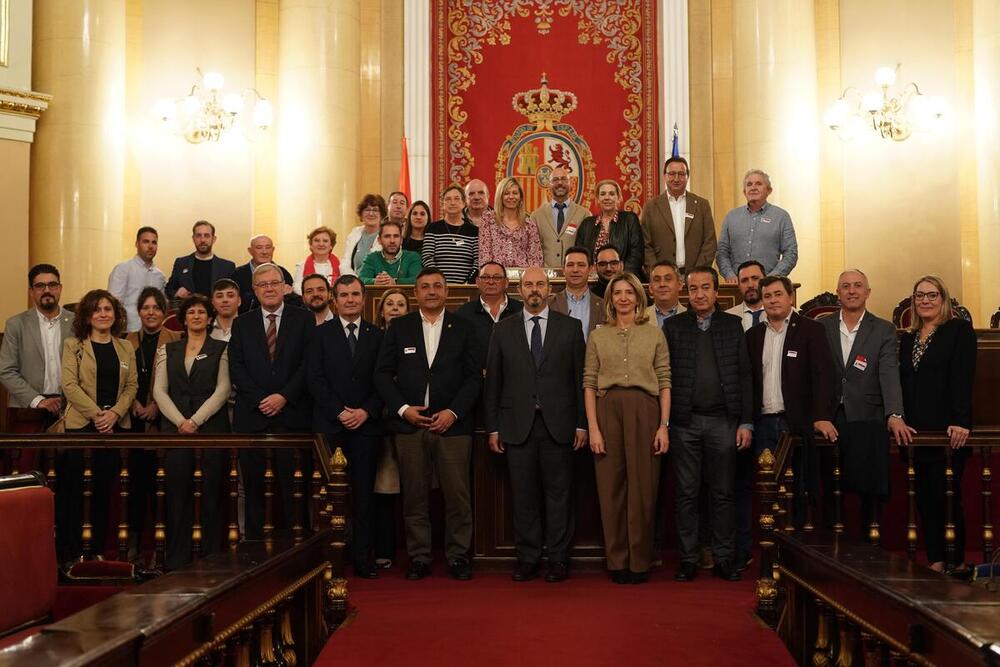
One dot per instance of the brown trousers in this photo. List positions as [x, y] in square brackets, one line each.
[628, 476]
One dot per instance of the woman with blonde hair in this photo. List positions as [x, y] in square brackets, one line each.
[321, 259]
[937, 368]
[614, 227]
[626, 385]
[509, 237]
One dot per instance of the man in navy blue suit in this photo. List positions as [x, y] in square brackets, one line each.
[197, 272]
[266, 363]
[341, 369]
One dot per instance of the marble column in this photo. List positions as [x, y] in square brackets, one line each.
[318, 120]
[417, 97]
[78, 158]
[986, 73]
[775, 116]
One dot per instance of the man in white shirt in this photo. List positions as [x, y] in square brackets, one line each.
[316, 296]
[226, 301]
[748, 276]
[130, 277]
[665, 288]
[677, 224]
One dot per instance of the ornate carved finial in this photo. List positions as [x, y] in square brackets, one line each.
[766, 460]
[338, 461]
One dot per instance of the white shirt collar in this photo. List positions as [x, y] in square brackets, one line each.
[544, 315]
[344, 323]
[857, 326]
[278, 312]
[440, 318]
[42, 319]
[682, 196]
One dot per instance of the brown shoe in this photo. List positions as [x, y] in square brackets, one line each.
[706, 561]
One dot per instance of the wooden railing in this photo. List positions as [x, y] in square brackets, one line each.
[258, 602]
[840, 600]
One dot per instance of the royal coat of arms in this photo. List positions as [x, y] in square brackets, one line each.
[532, 151]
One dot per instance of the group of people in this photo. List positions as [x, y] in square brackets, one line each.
[598, 365]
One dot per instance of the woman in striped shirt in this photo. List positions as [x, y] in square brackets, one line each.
[451, 244]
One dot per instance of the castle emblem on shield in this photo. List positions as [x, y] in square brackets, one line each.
[533, 150]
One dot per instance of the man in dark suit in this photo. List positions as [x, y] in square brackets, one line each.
[261, 251]
[346, 405]
[197, 272]
[867, 395]
[792, 388]
[267, 350]
[711, 415]
[535, 413]
[492, 305]
[678, 214]
[577, 300]
[429, 375]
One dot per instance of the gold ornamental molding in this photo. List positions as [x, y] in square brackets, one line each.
[23, 102]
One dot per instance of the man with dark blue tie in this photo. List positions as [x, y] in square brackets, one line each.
[346, 405]
[751, 311]
[535, 415]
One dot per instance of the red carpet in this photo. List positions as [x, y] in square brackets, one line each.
[586, 620]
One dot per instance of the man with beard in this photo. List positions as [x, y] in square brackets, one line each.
[316, 296]
[609, 264]
[197, 272]
[128, 279]
[392, 265]
[346, 406]
[397, 207]
[558, 220]
[665, 288]
[535, 414]
[261, 251]
[749, 274]
[477, 201]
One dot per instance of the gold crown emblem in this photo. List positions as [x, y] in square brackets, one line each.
[544, 106]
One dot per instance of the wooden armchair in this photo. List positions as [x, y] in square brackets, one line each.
[902, 316]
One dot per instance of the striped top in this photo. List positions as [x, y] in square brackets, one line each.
[452, 250]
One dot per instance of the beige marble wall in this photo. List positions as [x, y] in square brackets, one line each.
[392, 81]
[829, 86]
[15, 156]
[986, 59]
[701, 101]
[265, 149]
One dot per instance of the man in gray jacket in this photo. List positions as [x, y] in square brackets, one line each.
[869, 400]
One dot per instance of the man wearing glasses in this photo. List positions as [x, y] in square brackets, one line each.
[492, 305]
[608, 261]
[31, 355]
[677, 225]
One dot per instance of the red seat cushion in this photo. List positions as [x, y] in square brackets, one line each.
[27, 556]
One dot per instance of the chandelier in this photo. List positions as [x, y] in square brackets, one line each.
[892, 114]
[206, 113]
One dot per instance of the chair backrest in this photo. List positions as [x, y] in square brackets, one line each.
[172, 323]
[995, 320]
[820, 306]
[28, 572]
[902, 316]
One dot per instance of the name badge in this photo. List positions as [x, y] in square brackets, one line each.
[766, 220]
[571, 230]
[689, 215]
[860, 363]
[125, 365]
[792, 354]
[459, 242]
[409, 350]
[200, 357]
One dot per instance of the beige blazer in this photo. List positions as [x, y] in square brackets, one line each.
[661, 241]
[554, 245]
[79, 381]
[558, 303]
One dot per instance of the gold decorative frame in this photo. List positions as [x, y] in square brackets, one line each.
[4, 33]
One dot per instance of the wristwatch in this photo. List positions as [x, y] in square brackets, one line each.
[896, 415]
[665, 423]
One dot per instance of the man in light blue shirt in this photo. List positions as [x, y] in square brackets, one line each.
[577, 300]
[130, 277]
[758, 231]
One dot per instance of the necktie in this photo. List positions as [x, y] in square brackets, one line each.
[352, 338]
[560, 218]
[756, 316]
[272, 335]
[536, 341]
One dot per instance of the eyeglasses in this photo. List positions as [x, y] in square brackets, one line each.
[371, 209]
[272, 284]
[929, 296]
[491, 279]
[676, 174]
[604, 265]
[49, 286]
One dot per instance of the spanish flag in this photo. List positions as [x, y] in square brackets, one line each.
[404, 172]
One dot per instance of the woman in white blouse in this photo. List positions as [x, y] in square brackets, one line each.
[191, 388]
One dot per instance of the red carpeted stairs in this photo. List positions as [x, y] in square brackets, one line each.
[586, 620]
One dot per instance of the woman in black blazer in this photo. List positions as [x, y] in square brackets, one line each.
[613, 227]
[937, 365]
[191, 388]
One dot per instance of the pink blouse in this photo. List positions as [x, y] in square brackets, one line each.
[497, 243]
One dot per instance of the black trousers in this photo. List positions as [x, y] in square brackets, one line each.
[179, 469]
[253, 463]
[541, 471]
[362, 460]
[384, 525]
[929, 466]
[104, 467]
[705, 448]
[141, 486]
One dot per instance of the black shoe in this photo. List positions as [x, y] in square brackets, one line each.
[525, 571]
[686, 572]
[723, 570]
[365, 571]
[621, 576]
[557, 571]
[417, 570]
[743, 560]
[460, 569]
[639, 577]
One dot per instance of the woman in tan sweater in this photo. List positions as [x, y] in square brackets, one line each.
[626, 384]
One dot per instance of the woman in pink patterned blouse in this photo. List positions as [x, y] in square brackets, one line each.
[510, 237]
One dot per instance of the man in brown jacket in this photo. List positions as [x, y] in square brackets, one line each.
[675, 214]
